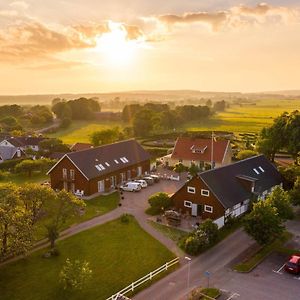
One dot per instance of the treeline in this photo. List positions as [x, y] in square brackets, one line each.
[17, 118]
[153, 117]
[78, 109]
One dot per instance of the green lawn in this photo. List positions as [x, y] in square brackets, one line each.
[80, 131]
[95, 207]
[118, 254]
[251, 262]
[170, 232]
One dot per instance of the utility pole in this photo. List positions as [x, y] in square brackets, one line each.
[212, 150]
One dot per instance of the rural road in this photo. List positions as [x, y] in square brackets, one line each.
[215, 260]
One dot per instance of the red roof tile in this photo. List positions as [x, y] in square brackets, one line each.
[186, 147]
[81, 146]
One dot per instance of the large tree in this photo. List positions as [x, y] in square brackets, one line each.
[281, 201]
[15, 223]
[263, 223]
[295, 192]
[58, 211]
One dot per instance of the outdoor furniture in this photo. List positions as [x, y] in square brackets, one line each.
[173, 217]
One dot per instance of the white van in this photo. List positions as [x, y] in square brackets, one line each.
[131, 186]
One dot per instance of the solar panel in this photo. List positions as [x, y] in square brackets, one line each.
[255, 171]
[98, 168]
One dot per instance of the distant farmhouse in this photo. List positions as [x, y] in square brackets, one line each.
[15, 147]
[226, 191]
[80, 146]
[200, 152]
[99, 169]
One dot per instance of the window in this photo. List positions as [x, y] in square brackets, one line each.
[255, 171]
[205, 193]
[72, 174]
[65, 174]
[187, 203]
[191, 189]
[208, 208]
[261, 169]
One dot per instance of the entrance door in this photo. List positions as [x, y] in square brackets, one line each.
[194, 209]
[101, 186]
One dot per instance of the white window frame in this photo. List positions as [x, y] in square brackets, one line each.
[65, 173]
[191, 189]
[204, 193]
[208, 209]
[72, 174]
[188, 204]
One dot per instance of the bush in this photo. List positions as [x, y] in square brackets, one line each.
[4, 175]
[65, 123]
[10, 164]
[245, 154]
[160, 201]
[125, 218]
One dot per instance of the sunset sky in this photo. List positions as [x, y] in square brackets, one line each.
[75, 46]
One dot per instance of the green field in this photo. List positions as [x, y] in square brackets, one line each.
[80, 131]
[118, 254]
[246, 118]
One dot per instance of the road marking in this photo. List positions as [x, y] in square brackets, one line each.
[234, 295]
[278, 271]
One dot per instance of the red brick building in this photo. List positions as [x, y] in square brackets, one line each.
[100, 169]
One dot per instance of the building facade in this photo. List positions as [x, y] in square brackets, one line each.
[227, 191]
[100, 169]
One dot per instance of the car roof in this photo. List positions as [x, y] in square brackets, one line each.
[294, 259]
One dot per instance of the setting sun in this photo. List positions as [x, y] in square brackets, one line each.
[117, 49]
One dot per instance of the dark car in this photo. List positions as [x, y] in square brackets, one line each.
[293, 265]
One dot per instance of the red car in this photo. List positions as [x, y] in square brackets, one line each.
[293, 265]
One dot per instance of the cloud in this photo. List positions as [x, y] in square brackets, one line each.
[22, 5]
[234, 17]
[213, 19]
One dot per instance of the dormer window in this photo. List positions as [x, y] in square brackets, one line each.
[194, 149]
[255, 170]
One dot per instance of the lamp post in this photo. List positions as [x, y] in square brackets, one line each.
[188, 259]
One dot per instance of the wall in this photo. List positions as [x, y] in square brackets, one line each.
[182, 195]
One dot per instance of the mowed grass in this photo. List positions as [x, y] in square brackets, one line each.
[118, 254]
[95, 207]
[80, 131]
[245, 118]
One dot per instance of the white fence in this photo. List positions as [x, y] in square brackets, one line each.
[134, 285]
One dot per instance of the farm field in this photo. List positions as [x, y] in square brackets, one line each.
[246, 118]
[80, 131]
[114, 264]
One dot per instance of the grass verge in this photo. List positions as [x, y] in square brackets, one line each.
[198, 294]
[118, 254]
[251, 262]
[170, 232]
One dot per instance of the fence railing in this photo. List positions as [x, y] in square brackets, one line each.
[134, 285]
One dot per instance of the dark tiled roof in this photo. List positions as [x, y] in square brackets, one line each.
[7, 152]
[25, 141]
[225, 185]
[184, 145]
[108, 158]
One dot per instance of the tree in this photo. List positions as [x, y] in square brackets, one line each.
[263, 223]
[281, 201]
[210, 229]
[245, 154]
[142, 122]
[295, 192]
[160, 201]
[27, 166]
[75, 274]
[49, 146]
[179, 168]
[15, 224]
[293, 134]
[290, 175]
[62, 207]
[106, 136]
[34, 196]
[194, 170]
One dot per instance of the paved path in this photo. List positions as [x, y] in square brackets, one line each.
[175, 285]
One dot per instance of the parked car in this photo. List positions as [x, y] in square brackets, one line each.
[149, 180]
[293, 265]
[131, 186]
[142, 182]
[155, 177]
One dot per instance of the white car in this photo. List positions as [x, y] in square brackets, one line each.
[131, 187]
[142, 182]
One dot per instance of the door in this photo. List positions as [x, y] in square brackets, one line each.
[194, 209]
[139, 171]
[101, 186]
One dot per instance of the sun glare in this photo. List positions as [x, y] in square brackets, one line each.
[117, 49]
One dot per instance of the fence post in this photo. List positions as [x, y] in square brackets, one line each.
[166, 266]
[132, 286]
[150, 275]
